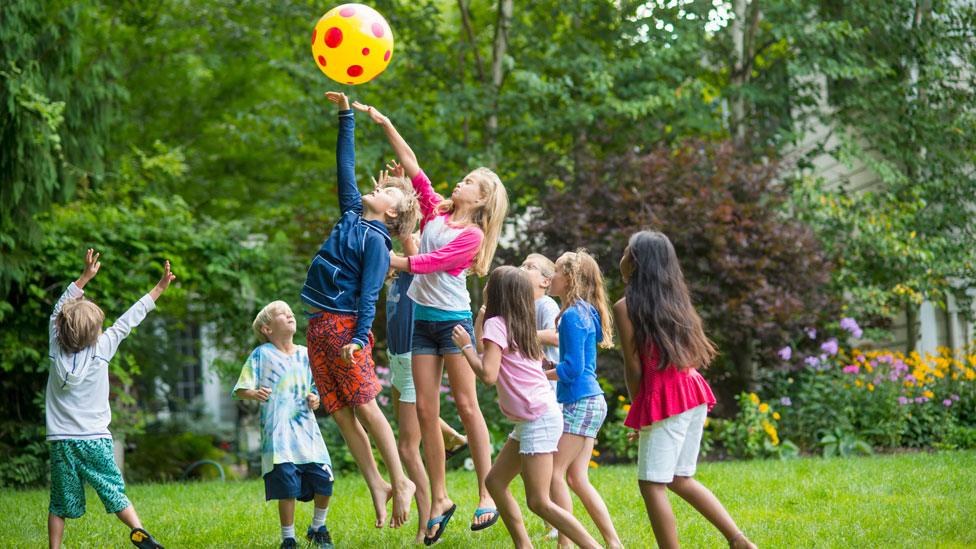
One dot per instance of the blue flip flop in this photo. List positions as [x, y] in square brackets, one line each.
[484, 511]
[442, 520]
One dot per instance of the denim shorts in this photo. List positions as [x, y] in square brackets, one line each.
[301, 482]
[433, 337]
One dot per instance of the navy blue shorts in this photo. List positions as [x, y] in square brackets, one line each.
[302, 482]
[433, 337]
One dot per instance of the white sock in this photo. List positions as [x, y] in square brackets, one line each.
[288, 532]
[319, 518]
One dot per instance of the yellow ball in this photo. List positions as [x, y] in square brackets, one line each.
[352, 44]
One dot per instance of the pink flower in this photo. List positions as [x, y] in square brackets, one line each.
[383, 400]
[785, 353]
[851, 326]
[954, 397]
[785, 401]
[852, 369]
[902, 400]
[445, 389]
[811, 333]
[812, 361]
[382, 370]
[947, 402]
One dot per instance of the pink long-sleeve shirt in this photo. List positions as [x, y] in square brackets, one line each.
[446, 252]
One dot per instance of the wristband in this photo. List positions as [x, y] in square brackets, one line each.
[468, 346]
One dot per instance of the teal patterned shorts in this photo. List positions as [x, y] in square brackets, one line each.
[74, 462]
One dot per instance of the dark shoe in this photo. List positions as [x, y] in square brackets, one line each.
[321, 539]
[441, 522]
[141, 539]
[289, 543]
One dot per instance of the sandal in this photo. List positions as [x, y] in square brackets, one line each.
[484, 511]
[441, 520]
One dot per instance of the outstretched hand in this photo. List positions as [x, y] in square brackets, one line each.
[339, 99]
[373, 113]
[92, 265]
[163, 283]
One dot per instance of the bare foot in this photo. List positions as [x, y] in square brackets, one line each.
[740, 541]
[380, 498]
[402, 496]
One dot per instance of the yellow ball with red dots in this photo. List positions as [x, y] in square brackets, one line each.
[352, 44]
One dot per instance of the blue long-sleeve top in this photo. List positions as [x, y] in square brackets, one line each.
[579, 332]
[347, 273]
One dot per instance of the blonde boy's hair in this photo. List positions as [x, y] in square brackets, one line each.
[489, 217]
[79, 324]
[264, 317]
[408, 208]
[546, 267]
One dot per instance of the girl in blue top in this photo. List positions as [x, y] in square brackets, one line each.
[584, 322]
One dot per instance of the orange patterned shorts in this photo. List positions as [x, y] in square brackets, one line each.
[340, 384]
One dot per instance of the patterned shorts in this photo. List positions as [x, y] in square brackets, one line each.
[74, 462]
[340, 384]
[585, 416]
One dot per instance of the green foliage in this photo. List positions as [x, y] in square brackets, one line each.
[163, 453]
[841, 443]
[752, 432]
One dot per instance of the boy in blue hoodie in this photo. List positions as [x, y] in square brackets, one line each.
[341, 289]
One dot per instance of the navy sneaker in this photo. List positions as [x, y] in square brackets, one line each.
[289, 543]
[320, 538]
[141, 539]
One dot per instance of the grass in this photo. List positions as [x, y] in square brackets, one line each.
[907, 500]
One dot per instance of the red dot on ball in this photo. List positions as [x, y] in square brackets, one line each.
[377, 30]
[386, 56]
[347, 11]
[354, 71]
[321, 61]
[333, 37]
[314, 31]
[365, 51]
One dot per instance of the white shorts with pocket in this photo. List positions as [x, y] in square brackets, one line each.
[541, 435]
[401, 376]
[669, 447]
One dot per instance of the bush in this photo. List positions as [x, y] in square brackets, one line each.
[753, 433]
[165, 450]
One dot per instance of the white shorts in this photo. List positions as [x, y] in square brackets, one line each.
[541, 435]
[401, 376]
[669, 447]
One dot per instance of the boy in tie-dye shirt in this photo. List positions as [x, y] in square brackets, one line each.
[294, 460]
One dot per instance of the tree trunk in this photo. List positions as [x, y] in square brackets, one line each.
[499, 49]
[744, 26]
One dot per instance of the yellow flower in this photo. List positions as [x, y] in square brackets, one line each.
[870, 386]
[706, 422]
[858, 383]
[928, 394]
[776, 415]
[626, 407]
[621, 398]
[595, 452]
[754, 398]
[771, 432]
[593, 464]
[763, 408]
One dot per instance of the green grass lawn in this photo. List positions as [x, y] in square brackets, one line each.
[908, 500]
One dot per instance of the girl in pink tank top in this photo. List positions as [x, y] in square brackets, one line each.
[664, 345]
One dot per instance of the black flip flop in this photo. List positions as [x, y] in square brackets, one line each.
[448, 454]
[484, 511]
[141, 539]
[441, 520]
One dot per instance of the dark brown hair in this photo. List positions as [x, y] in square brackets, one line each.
[659, 305]
[509, 295]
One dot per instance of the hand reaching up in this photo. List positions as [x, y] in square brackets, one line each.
[92, 265]
[339, 99]
[163, 283]
[373, 113]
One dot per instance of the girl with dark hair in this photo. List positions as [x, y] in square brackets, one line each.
[513, 358]
[664, 345]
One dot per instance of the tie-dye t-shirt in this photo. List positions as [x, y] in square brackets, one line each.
[289, 433]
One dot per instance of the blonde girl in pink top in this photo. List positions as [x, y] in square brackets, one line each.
[513, 359]
[663, 346]
[458, 235]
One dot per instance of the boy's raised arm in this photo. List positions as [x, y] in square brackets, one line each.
[349, 197]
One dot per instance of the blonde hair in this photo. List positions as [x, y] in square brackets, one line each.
[79, 324]
[408, 208]
[488, 217]
[264, 318]
[585, 283]
[548, 268]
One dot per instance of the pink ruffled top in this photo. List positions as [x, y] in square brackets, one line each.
[665, 393]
